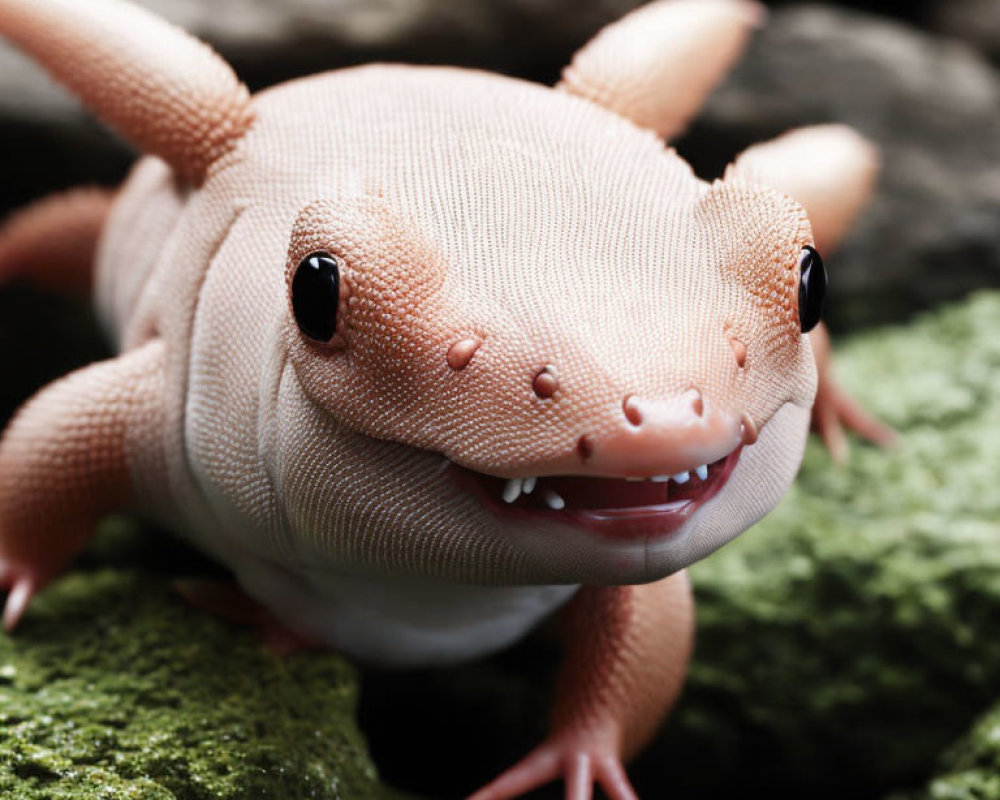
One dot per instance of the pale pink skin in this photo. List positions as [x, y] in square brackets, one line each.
[274, 452]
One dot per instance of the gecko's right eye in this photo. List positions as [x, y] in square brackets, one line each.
[812, 288]
[316, 296]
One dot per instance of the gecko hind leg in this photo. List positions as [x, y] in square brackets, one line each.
[67, 459]
[53, 241]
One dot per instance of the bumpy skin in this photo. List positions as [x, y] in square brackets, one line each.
[532, 290]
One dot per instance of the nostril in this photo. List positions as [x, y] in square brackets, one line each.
[632, 412]
[697, 402]
[584, 448]
[740, 351]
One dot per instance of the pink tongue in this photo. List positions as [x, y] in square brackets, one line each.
[593, 493]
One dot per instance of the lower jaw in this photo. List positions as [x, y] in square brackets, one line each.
[635, 523]
[649, 522]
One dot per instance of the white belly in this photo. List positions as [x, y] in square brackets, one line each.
[400, 622]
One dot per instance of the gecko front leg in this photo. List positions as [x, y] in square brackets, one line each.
[627, 654]
[65, 462]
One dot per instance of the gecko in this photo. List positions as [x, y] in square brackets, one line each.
[425, 355]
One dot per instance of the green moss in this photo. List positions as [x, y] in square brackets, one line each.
[114, 689]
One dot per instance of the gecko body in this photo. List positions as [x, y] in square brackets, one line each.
[419, 351]
[374, 185]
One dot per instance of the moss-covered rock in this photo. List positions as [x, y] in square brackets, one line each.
[114, 689]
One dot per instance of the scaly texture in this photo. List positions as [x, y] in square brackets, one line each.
[66, 460]
[833, 189]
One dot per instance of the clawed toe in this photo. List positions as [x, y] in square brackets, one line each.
[580, 767]
[21, 584]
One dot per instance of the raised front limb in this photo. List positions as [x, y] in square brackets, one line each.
[627, 653]
[65, 463]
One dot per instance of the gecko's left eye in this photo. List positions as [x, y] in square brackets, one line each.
[812, 288]
[316, 296]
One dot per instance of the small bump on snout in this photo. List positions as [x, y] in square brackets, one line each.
[631, 410]
[461, 353]
[544, 383]
[740, 351]
[697, 402]
[748, 431]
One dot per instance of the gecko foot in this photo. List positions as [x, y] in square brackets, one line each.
[581, 764]
[225, 599]
[835, 411]
[21, 584]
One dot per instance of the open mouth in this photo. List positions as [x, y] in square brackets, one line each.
[620, 508]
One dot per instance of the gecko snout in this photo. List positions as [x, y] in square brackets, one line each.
[662, 436]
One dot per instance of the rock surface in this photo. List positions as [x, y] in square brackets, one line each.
[114, 689]
[975, 21]
[933, 107]
[842, 644]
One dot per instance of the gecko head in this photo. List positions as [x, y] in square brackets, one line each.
[560, 348]
[525, 342]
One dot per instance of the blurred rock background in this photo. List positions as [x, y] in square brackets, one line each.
[864, 705]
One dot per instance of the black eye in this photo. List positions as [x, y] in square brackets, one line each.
[316, 295]
[812, 288]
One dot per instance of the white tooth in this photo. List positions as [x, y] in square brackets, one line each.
[528, 486]
[660, 478]
[682, 477]
[512, 490]
[702, 472]
[555, 502]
